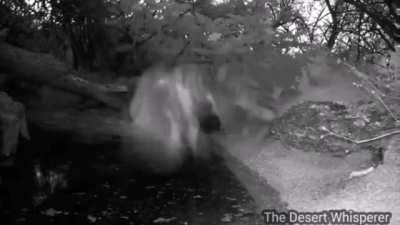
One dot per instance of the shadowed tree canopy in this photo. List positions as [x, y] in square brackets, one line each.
[114, 39]
[353, 29]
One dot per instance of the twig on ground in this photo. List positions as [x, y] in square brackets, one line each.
[360, 141]
[359, 173]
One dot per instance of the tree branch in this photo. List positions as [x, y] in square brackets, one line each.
[384, 21]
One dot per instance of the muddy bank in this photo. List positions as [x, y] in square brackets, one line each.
[58, 180]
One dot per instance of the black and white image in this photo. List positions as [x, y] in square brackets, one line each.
[200, 112]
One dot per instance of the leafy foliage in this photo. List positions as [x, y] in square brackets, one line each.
[258, 39]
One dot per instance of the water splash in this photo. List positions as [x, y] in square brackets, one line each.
[167, 112]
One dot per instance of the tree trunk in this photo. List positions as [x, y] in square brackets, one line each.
[45, 69]
[333, 10]
[332, 38]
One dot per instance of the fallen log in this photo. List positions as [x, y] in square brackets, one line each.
[88, 126]
[46, 69]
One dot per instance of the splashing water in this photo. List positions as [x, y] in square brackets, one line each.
[166, 113]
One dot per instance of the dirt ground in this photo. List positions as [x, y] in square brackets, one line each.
[312, 181]
[316, 182]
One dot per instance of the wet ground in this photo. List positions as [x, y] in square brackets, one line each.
[57, 180]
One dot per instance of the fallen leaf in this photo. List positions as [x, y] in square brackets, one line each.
[164, 220]
[91, 218]
[51, 212]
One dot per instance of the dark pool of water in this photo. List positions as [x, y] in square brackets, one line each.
[57, 180]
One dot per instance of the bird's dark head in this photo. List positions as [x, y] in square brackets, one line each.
[210, 123]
